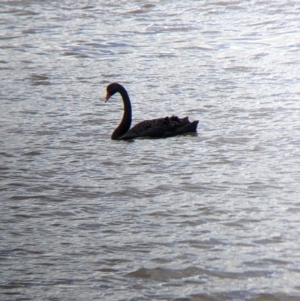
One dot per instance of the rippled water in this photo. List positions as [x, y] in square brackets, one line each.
[212, 216]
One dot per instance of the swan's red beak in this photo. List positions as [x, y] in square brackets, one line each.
[107, 97]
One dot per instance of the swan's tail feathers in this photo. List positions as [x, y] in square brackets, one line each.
[193, 125]
[189, 128]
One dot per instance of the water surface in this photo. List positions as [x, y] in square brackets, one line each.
[212, 216]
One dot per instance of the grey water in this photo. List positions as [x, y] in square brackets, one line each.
[211, 216]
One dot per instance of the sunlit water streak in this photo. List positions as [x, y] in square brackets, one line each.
[212, 216]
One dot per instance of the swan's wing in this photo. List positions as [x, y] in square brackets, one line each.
[154, 128]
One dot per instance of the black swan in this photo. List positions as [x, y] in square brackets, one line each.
[154, 128]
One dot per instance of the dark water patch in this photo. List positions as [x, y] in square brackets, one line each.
[163, 274]
[39, 79]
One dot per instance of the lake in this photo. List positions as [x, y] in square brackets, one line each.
[206, 216]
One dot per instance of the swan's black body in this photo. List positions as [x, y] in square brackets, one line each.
[154, 128]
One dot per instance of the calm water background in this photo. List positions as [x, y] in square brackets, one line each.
[213, 216]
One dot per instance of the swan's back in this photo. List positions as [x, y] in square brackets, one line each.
[161, 128]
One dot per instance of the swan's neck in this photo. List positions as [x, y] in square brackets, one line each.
[124, 126]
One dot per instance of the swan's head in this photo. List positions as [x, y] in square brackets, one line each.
[111, 89]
